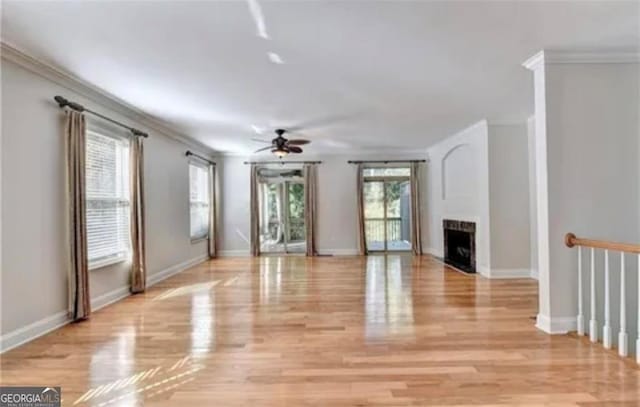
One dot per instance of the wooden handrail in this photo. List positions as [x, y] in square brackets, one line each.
[571, 240]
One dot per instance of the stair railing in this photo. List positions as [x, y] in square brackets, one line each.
[623, 249]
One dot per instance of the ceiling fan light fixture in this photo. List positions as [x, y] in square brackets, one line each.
[281, 147]
[280, 152]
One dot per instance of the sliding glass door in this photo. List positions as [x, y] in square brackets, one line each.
[282, 228]
[387, 210]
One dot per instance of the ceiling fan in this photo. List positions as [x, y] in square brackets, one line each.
[281, 146]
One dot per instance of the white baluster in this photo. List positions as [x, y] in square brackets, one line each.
[606, 330]
[593, 324]
[623, 348]
[638, 340]
[580, 318]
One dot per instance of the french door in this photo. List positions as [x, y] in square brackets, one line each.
[387, 213]
[282, 228]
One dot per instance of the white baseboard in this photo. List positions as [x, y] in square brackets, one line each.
[435, 252]
[325, 252]
[505, 273]
[556, 325]
[32, 331]
[484, 271]
[42, 327]
[339, 252]
[534, 274]
[155, 278]
[109, 298]
[234, 253]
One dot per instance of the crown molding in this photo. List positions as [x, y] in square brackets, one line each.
[535, 61]
[378, 154]
[572, 57]
[96, 95]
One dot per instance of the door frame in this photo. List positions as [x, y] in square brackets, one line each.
[384, 179]
[285, 224]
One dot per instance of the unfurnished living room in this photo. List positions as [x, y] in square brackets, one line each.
[325, 203]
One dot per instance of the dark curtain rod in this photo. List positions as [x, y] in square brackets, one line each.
[190, 153]
[386, 161]
[63, 102]
[283, 162]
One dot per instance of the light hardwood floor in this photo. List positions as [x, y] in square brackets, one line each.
[295, 331]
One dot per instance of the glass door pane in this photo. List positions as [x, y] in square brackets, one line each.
[281, 202]
[295, 236]
[398, 213]
[374, 215]
[271, 220]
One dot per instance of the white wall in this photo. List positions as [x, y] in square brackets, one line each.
[509, 200]
[458, 178]
[337, 205]
[34, 262]
[587, 144]
[481, 175]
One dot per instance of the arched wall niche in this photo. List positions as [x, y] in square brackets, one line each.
[458, 173]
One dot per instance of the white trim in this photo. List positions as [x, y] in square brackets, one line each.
[234, 253]
[534, 274]
[325, 252]
[155, 278]
[373, 154]
[66, 79]
[494, 273]
[196, 240]
[571, 57]
[435, 252]
[535, 61]
[339, 252]
[484, 271]
[32, 331]
[109, 261]
[48, 324]
[555, 325]
[109, 298]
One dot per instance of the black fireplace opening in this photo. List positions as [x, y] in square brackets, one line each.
[459, 244]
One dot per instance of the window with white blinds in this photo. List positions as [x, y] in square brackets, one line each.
[199, 199]
[107, 178]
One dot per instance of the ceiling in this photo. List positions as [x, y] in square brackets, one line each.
[363, 75]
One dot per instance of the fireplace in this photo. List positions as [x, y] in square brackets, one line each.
[460, 244]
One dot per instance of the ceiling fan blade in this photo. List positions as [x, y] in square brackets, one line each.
[263, 149]
[259, 140]
[298, 142]
[294, 149]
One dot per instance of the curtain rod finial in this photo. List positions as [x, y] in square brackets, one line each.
[62, 102]
[139, 133]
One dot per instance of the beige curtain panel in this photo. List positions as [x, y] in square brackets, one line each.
[78, 273]
[310, 207]
[362, 239]
[139, 264]
[416, 220]
[255, 212]
[213, 212]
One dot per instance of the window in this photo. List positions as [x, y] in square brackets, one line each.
[387, 208]
[386, 172]
[107, 178]
[199, 200]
